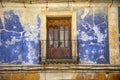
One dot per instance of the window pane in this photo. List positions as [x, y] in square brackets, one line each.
[56, 34]
[66, 33]
[66, 36]
[51, 34]
[61, 33]
[56, 37]
[51, 37]
[67, 43]
[61, 36]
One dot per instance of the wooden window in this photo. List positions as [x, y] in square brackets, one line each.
[59, 38]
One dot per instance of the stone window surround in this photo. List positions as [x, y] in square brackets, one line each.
[43, 31]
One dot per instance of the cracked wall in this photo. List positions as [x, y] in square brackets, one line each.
[20, 35]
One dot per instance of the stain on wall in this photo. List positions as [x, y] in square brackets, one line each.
[92, 35]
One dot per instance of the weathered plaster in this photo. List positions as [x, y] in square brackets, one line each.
[31, 20]
[113, 35]
[19, 42]
[92, 35]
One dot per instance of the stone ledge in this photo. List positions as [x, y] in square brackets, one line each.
[63, 67]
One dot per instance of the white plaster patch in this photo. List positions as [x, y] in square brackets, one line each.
[101, 51]
[101, 57]
[86, 11]
[78, 31]
[20, 57]
[14, 27]
[31, 55]
[7, 16]
[26, 27]
[9, 42]
[83, 45]
[86, 51]
[85, 37]
[87, 61]
[18, 13]
[99, 34]
[13, 41]
[91, 43]
[93, 51]
[32, 33]
[31, 37]
[16, 50]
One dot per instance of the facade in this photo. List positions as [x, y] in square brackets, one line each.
[60, 41]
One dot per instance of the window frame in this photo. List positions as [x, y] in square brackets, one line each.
[60, 24]
[43, 31]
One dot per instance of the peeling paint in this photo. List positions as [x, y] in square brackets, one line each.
[14, 39]
[19, 43]
[93, 36]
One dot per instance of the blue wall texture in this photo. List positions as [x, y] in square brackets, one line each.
[92, 36]
[19, 44]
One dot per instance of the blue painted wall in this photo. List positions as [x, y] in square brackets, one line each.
[20, 45]
[92, 36]
[17, 45]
